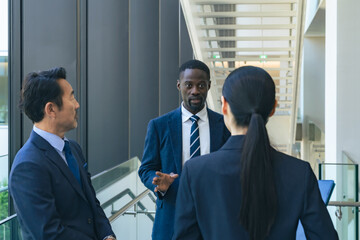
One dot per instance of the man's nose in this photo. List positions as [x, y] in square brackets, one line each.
[195, 90]
[77, 104]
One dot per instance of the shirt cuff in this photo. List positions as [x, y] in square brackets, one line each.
[110, 237]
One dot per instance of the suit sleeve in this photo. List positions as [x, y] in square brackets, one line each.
[315, 218]
[186, 226]
[102, 223]
[151, 161]
[30, 186]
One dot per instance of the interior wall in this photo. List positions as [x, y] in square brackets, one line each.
[144, 69]
[49, 40]
[108, 83]
[168, 55]
[313, 95]
[278, 129]
[348, 80]
[122, 59]
[314, 80]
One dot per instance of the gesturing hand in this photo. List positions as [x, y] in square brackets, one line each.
[163, 181]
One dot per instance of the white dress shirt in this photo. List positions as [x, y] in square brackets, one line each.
[204, 132]
[54, 140]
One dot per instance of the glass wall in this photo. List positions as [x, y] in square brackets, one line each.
[4, 168]
[343, 202]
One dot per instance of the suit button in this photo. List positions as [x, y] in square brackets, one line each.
[89, 221]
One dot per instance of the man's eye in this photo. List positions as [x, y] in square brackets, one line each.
[188, 85]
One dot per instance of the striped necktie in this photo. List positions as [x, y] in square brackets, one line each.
[194, 137]
[71, 161]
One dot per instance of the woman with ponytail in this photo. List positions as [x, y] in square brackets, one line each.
[247, 189]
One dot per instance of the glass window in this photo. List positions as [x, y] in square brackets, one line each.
[4, 168]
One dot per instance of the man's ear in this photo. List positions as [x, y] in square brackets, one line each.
[178, 84]
[224, 105]
[274, 108]
[209, 84]
[49, 109]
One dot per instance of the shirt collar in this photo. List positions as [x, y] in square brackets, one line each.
[54, 140]
[186, 114]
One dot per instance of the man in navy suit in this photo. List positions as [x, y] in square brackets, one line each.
[49, 183]
[169, 143]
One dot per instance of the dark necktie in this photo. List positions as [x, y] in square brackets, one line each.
[194, 137]
[71, 161]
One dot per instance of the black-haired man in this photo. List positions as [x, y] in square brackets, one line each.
[51, 188]
[172, 139]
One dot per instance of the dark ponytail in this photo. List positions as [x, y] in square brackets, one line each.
[258, 196]
[250, 92]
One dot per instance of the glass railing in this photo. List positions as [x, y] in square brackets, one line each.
[3, 115]
[4, 196]
[129, 206]
[10, 229]
[4, 205]
[343, 205]
[4, 81]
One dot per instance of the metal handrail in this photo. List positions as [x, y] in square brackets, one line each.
[117, 197]
[122, 210]
[340, 164]
[8, 219]
[132, 195]
[340, 204]
[344, 204]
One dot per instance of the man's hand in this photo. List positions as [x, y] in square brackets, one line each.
[163, 181]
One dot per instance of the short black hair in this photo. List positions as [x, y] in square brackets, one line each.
[194, 64]
[39, 88]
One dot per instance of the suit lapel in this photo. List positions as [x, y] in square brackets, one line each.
[215, 125]
[175, 129]
[55, 158]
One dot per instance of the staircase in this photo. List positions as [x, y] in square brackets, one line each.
[227, 34]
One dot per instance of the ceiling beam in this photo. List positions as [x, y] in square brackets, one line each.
[247, 49]
[274, 78]
[209, 2]
[259, 38]
[247, 26]
[245, 14]
[266, 68]
[241, 58]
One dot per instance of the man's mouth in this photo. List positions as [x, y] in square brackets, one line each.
[195, 100]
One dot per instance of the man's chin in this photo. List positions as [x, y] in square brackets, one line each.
[196, 107]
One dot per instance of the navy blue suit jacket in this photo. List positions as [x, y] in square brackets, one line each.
[208, 202]
[163, 152]
[49, 201]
